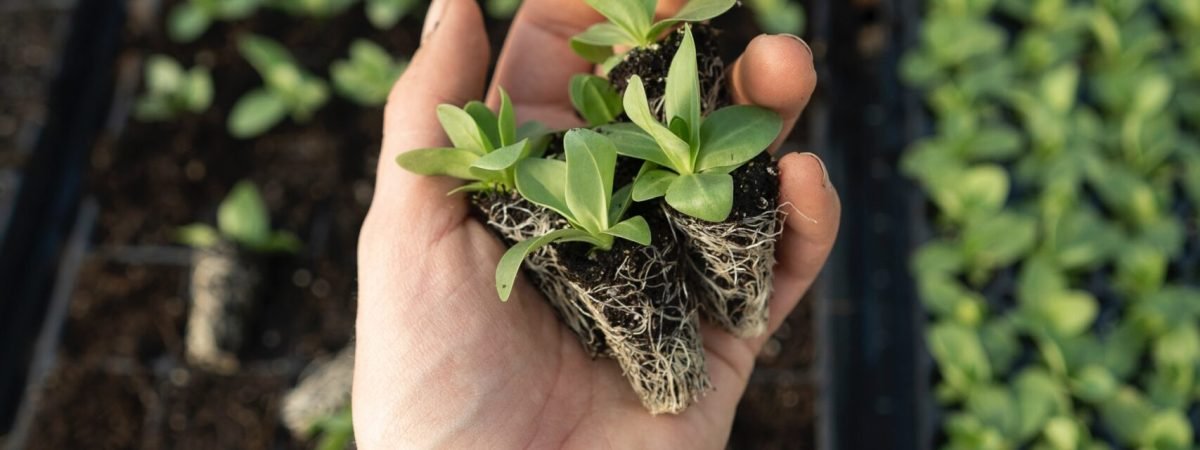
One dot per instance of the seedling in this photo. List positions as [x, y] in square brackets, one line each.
[487, 147]
[581, 190]
[336, 431]
[190, 19]
[690, 159]
[242, 219]
[502, 9]
[631, 23]
[287, 90]
[384, 14]
[778, 16]
[171, 90]
[595, 99]
[367, 77]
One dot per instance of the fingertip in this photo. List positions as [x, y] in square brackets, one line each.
[450, 66]
[810, 199]
[775, 72]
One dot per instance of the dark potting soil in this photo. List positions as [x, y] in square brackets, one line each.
[86, 405]
[596, 268]
[652, 64]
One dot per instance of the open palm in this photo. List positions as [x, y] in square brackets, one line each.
[440, 361]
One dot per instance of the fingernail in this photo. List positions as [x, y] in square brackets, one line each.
[433, 17]
[825, 183]
[801, 41]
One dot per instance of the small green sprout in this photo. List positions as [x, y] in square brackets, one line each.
[190, 19]
[778, 16]
[580, 190]
[288, 89]
[696, 154]
[320, 9]
[336, 430]
[367, 77]
[170, 90]
[242, 218]
[502, 9]
[384, 14]
[631, 23]
[487, 147]
[595, 99]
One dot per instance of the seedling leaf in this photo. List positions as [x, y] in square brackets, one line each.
[706, 196]
[506, 120]
[595, 44]
[652, 184]
[503, 158]
[732, 136]
[591, 160]
[543, 181]
[682, 97]
[637, 107]
[510, 263]
[454, 162]
[198, 236]
[635, 229]
[485, 119]
[595, 99]
[242, 216]
[256, 112]
[462, 130]
[632, 16]
[631, 141]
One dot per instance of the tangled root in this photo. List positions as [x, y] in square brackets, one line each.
[223, 288]
[651, 329]
[729, 267]
[515, 219]
[323, 390]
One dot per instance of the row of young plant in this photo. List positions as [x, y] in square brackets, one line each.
[365, 78]
[289, 90]
[1064, 169]
[616, 222]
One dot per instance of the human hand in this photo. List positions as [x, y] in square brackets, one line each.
[440, 361]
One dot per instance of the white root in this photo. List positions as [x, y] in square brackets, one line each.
[656, 341]
[223, 288]
[729, 267]
[520, 220]
[323, 390]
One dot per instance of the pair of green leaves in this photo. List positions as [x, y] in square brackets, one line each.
[243, 219]
[690, 158]
[384, 14]
[188, 20]
[171, 90]
[595, 99]
[367, 77]
[631, 23]
[288, 90]
[579, 189]
[487, 146]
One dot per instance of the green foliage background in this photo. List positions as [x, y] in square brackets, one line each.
[1064, 169]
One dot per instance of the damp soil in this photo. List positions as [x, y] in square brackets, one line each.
[652, 64]
[121, 378]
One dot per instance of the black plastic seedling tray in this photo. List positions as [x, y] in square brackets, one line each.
[48, 196]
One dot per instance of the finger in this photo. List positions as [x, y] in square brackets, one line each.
[536, 63]
[449, 67]
[775, 72]
[813, 212]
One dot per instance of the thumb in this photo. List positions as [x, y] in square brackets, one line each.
[449, 67]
